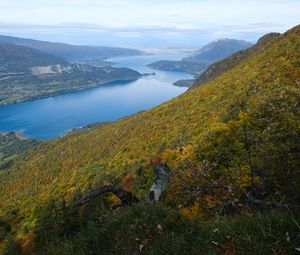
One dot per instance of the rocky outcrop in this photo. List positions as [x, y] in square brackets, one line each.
[44, 70]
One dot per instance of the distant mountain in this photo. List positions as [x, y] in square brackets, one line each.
[27, 73]
[71, 52]
[15, 58]
[202, 58]
[228, 63]
[217, 50]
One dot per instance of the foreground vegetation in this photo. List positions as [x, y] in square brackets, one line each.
[231, 143]
[156, 229]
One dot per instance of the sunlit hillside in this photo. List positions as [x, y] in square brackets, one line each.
[243, 126]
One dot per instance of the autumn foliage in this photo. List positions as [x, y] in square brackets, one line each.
[235, 134]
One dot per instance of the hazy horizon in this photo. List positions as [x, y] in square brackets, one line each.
[142, 24]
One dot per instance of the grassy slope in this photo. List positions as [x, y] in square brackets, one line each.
[164, 231]
[108, 153]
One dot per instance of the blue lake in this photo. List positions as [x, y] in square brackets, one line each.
[51, 117]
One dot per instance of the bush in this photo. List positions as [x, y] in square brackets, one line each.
[12, 246]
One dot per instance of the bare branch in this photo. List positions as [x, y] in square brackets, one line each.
[126, 197]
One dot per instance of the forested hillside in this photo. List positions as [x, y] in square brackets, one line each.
[16, 59]
[27, 74]
[71, 52]
[233, 138]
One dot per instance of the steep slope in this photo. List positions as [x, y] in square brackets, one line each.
[223, 66]
[71, 52]
[205, 125]
[15, 58]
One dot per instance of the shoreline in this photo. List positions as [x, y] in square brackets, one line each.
[18, 134]
[92, 86]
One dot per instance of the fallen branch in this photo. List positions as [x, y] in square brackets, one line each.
[209, 187]
[248, 195]
[263, 203]
[125, 197]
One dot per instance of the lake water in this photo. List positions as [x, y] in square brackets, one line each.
[51, 117]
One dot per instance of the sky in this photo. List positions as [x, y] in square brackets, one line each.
[146, 23]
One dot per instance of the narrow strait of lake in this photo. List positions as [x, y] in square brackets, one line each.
[51, 117]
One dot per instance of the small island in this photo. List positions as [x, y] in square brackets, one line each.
[184, 83]
[179, 66]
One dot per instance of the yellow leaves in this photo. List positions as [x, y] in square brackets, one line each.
[115, 200]
[174, 157]
[27, 243]
[127, 182]
[70, 190]
[191, 211]
[244, 179]
[196, 116]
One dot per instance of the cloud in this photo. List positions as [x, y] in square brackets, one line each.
[142, 12]
[129, 34]
[145, 20]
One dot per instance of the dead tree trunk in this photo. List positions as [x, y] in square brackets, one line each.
[161, 180]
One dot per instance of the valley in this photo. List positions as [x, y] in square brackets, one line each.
[52, 116]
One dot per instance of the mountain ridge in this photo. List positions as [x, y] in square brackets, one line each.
[201, 59]
[15, 58]
[27, 74]
[71, 52]
[218, 49]
[224, 65]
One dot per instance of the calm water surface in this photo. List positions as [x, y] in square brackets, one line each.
[51, 117]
